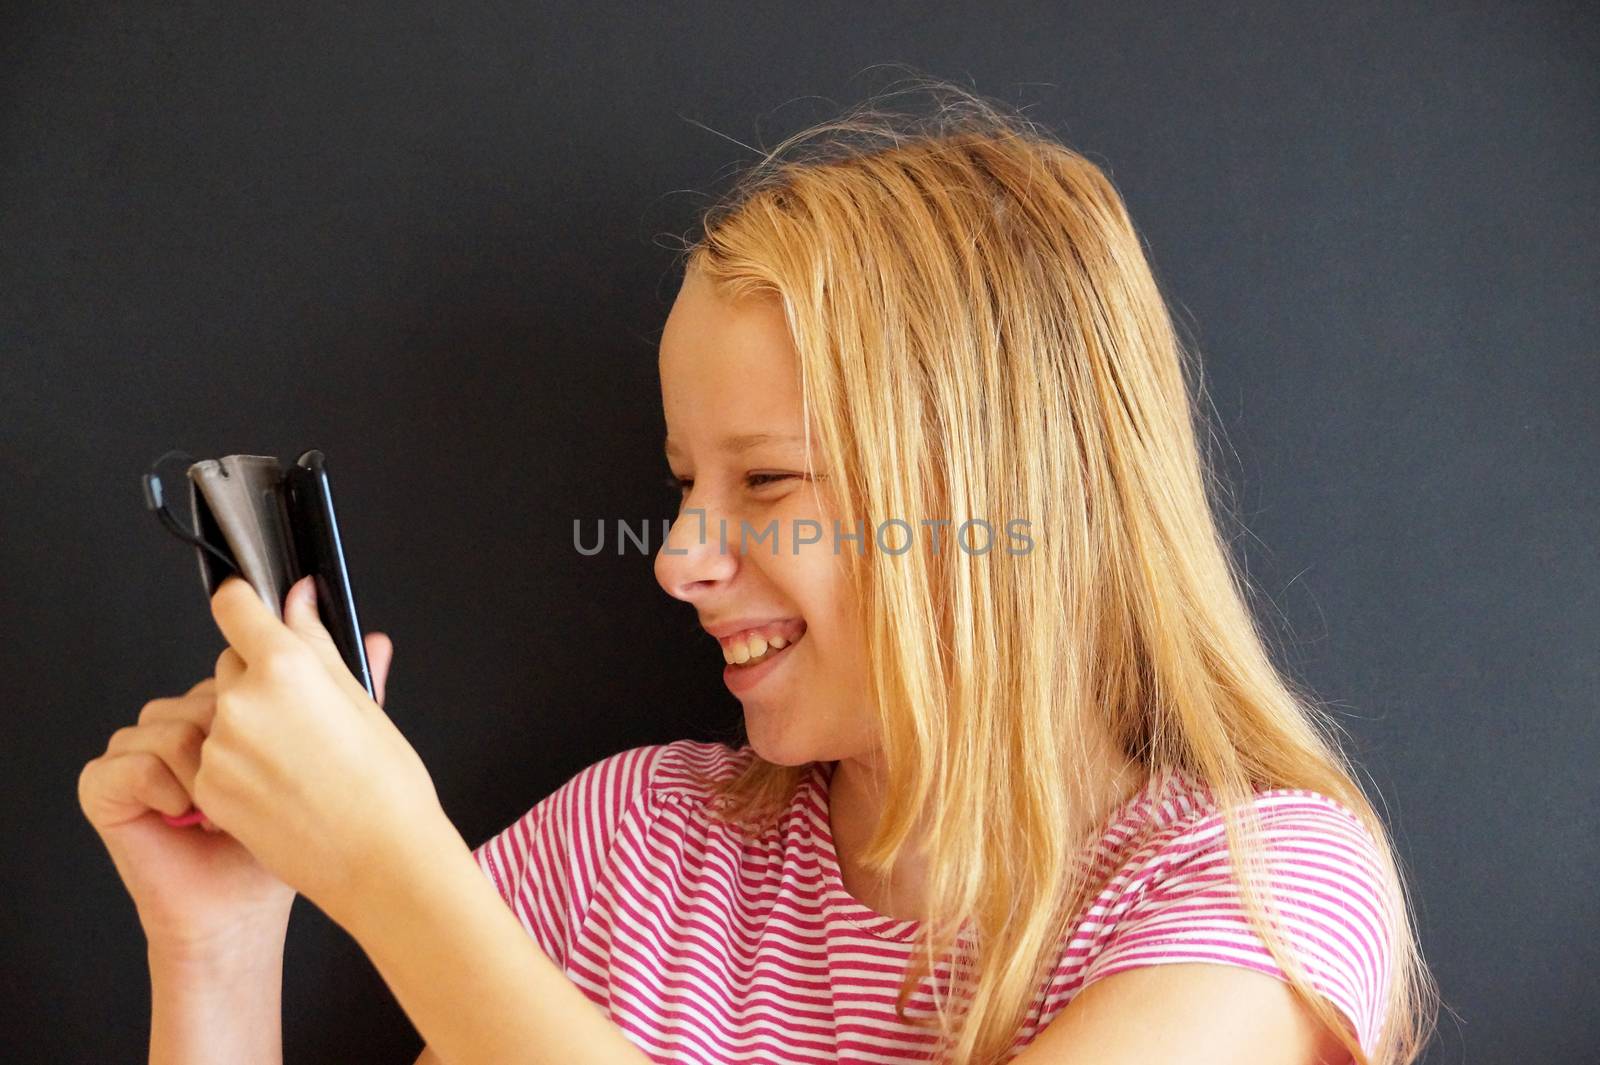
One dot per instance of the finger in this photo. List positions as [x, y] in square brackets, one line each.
[245, 621]
[300, 615]
[176, 743]
[197, 709]
[226, 670]
[115, 789]
[194, 704]
[380, 653]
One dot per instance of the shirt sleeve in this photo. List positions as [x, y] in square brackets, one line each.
[547, 863]
[1328, 892]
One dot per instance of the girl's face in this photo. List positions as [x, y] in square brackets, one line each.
[779, 607]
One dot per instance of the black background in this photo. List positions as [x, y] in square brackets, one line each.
[434, 241]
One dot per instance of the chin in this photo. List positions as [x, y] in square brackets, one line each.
[777, 741]
[780, 739]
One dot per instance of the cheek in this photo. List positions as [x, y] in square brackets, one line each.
[824, 600]
[814, 581]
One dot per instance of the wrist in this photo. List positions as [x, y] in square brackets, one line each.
[385, 886]
[218, 1001]
[251, 945]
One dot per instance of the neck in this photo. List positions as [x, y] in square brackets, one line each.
[855, 804]
[856, 801]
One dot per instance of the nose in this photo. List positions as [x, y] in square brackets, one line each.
[694, 562]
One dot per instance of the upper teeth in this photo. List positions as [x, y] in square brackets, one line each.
[743, 649]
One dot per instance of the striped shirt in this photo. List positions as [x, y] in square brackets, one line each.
[707, 945]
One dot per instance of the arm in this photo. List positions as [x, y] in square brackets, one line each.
[1191, 1013]
[1184, 969]
[310, 775]
[476, 986]
[206, 1009]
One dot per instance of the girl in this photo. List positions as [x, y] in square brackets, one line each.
[1021, 781]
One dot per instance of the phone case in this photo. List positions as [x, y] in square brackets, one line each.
[240, 500]
[279, 526]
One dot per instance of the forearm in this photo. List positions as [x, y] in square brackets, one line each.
[225, 1007]
[475, 984]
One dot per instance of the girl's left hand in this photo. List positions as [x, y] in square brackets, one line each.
[301, 766]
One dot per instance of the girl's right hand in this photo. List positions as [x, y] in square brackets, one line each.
[195, 890]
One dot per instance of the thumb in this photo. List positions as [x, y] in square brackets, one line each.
[300, 614]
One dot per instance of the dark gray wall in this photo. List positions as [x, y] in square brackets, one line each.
[424, 238]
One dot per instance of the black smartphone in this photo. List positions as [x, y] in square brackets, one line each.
[308, 497]
[270, 526]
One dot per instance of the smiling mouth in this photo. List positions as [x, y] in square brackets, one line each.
[756, 648]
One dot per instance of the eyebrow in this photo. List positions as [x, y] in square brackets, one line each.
[739, 443]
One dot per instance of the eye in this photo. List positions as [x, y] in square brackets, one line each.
[754, 480]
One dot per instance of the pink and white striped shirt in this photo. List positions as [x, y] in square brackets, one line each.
[705, 945]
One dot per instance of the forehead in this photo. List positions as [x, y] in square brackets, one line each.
[727, 367]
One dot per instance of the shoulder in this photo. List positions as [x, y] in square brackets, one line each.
[1297, 829]
[548, 863]
[598, 797]
[682, 770]
[1174, 826]
[689, 769]
[1314, 862]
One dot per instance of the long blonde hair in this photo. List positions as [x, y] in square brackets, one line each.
[981, 336]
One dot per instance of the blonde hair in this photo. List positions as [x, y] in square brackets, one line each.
[981, 336]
